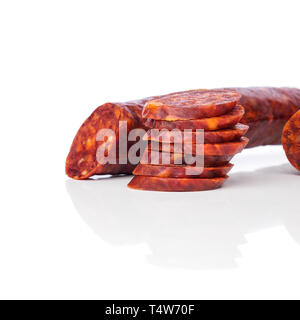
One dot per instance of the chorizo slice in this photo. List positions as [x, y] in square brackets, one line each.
[175, 184]
[217, 136]
[291, 140]
[165, 158]
[191, 105]
[226, 121]
[220, 149]
[181, 171]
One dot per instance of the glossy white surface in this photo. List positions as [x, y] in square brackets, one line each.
[97, 239]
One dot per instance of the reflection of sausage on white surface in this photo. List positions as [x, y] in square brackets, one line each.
[192, 230]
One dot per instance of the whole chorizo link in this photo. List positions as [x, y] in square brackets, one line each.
[266, 112]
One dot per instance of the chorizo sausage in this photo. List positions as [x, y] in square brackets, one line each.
[214, 123]
[191, 105]
[175, 184]
[291, 140]
[181, 171]
[266, 112]
[162, 158]
[81, 162]
[220, 149]
[217, 136]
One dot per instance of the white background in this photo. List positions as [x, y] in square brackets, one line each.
[60, 238]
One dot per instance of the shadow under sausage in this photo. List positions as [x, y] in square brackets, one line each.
[191, 230]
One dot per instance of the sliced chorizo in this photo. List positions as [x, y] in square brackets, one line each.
[217, 136]
[266, 112]
[219, 149]
[191, 105]
[291, 140]
[225, 121]
[81, 162]
[175, 184]
[165, 158]
[181, 171]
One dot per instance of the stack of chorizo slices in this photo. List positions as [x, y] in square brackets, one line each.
[185, 127]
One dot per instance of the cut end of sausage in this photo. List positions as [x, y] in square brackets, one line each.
[291, 140]
[81, 162]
